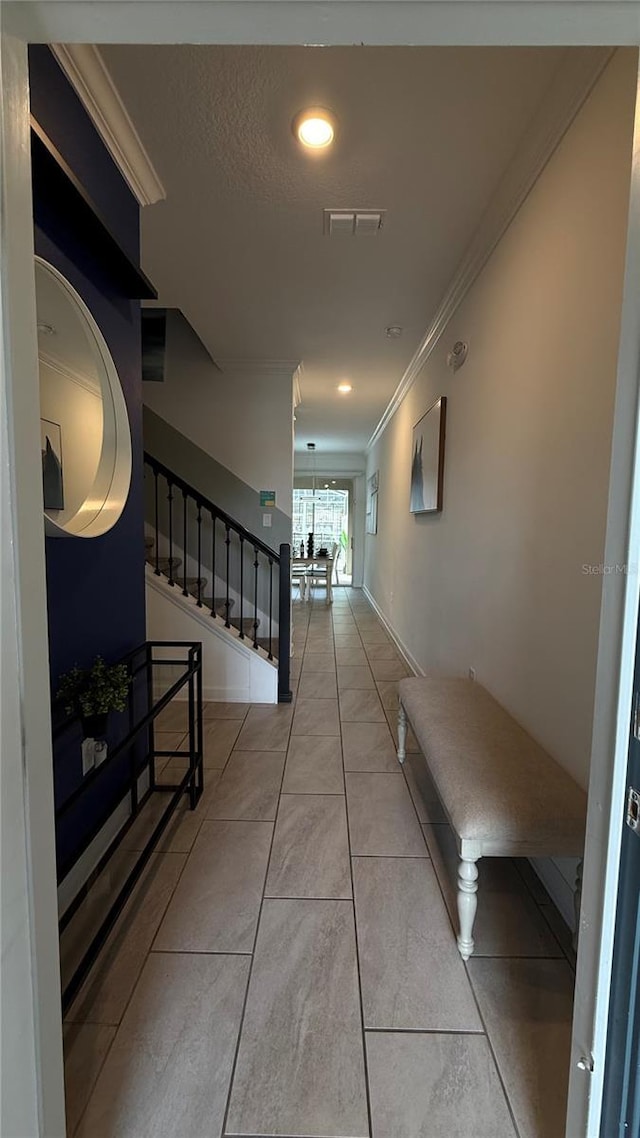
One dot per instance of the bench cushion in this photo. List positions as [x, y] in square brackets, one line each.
[496, 783]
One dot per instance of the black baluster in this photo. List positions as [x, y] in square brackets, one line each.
[255, 599]
[170, 500]
[227, 622]
[270, 607]
[213, 565]
[199, 555]
[284, 624]
[241, 586]
[185, 591]
[157, 513]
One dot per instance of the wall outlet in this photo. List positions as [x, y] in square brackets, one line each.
[100, 751]
[472, 673]
[88, 755]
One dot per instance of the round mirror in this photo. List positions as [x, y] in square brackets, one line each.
[84, 426]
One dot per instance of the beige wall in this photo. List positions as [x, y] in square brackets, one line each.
[243, 420]
[496, 582]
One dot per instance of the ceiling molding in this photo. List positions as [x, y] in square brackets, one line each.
[63, 369]
[569, 89]
[85, 69]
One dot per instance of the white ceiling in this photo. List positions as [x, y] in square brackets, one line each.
[238, 245]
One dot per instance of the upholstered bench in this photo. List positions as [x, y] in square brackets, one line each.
[503, 793]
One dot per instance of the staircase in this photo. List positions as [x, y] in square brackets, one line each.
[202, 554]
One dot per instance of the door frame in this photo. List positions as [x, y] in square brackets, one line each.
[24, 636]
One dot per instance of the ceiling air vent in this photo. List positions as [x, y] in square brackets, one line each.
[353, 222]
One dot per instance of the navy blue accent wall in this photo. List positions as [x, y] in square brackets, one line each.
[95, 587]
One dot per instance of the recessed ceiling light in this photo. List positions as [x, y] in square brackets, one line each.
[315, 128]
[344, 388]
[393, 332]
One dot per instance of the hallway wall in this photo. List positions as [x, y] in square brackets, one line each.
[498, 581]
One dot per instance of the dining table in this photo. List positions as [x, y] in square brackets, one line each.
[324, 563]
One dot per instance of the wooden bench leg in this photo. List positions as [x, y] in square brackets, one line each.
[402, 734]
[467, 905]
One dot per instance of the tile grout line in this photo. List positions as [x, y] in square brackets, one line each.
[144, 962]
[357, 943]
[234, 1065]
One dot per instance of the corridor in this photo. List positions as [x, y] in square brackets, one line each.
[287, 966]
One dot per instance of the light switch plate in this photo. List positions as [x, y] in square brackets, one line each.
[266, 521]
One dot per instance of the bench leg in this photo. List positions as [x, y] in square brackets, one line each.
[402, 734]
[577, 901]
[467, 905]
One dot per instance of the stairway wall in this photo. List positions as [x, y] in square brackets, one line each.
[214, 480]
[95, 588]
[241, 417]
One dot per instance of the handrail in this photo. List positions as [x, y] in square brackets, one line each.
[202, 500]
[242, 563]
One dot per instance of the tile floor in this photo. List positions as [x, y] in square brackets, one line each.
[287, 965]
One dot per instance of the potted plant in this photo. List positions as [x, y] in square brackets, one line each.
[91, 693]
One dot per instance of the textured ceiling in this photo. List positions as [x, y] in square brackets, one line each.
[238, 245]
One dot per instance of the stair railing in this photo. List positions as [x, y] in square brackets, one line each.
[245, 565]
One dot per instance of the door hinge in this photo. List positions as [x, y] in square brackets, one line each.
[633, 810]
[635, 716]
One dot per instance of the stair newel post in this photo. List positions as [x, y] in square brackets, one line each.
[156, 520]
[170, 501]
[241, 536]
[213, 565]
[271, 608]
[227, 539]
[255, 597]
[284, 625]
[185, 591]
[199, 556]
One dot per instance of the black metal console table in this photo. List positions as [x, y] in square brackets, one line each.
[144, 664]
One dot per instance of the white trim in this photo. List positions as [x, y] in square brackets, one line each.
[455, 23]
[613, 696]
[416, 668]
[567, 93]
[85, 69]
[68, 373]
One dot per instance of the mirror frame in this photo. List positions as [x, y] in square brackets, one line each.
[107, 496]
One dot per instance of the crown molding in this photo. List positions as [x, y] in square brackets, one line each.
[86, 71]
[570, 87]
[69, 373]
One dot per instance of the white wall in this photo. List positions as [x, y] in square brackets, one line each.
[496, 581]
[242, 419]
[346, 466]
[231, 670]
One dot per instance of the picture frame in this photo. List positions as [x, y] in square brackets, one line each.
[372, 504]
[427, 460]
[52, 465]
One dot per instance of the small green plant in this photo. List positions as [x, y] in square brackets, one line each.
[95, 690]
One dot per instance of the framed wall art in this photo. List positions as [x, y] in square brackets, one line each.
[427, 460]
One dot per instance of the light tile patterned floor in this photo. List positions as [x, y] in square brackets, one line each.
[287, 965]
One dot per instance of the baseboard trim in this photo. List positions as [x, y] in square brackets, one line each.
[557, 886]
[402, 648]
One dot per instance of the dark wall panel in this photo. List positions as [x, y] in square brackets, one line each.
[95, 587]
